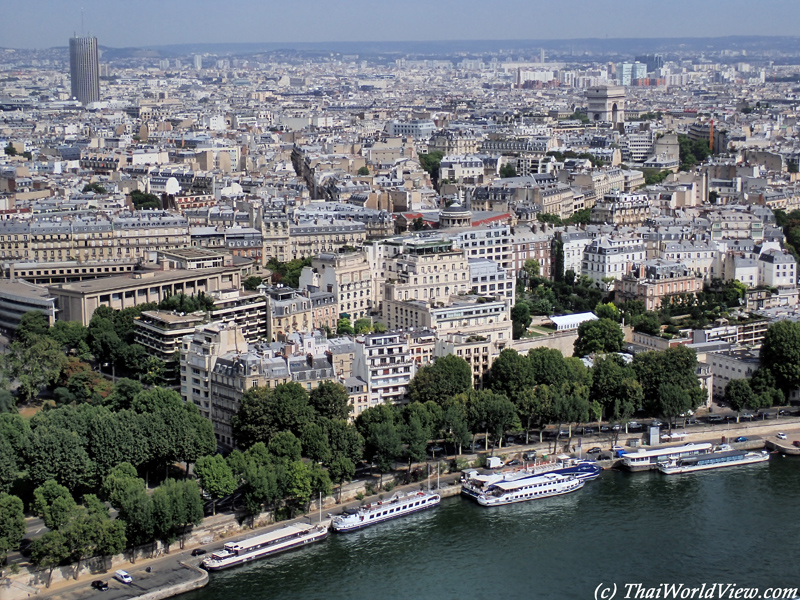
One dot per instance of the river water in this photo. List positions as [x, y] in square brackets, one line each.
[739, 525]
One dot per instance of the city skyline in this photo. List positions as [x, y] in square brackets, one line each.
[51, 24]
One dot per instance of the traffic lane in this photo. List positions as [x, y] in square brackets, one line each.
[163, 574]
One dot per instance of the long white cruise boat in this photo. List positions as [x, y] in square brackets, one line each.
[398, 505]
[261, 546]
[724, 456]
[521, 488]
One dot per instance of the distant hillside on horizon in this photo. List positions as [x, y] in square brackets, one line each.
[448, 47]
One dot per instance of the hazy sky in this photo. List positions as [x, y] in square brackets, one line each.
[117, 23]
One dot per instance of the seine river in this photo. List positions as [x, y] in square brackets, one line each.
[732, 526]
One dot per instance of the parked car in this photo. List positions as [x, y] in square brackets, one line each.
[603, 457]
[783, 412]
[529, 455]
[589, 430]
[513, 463]
[781, 436]
[741, 438]
[747, 415]
[715, 418]
[198, 551]
[604, 428]
[616, 427]
[633, 425]
[100, 585]
[796, 443]
[656, 423]
[595, 450]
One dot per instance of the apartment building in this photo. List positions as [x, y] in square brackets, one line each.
[124, 237]
[288, 310]
[611, 257]
[729, 365]
[429, 269]
[777, 269]
[384, 362]
[620, 208]
[490, 279]
[312, 237]
[654, 282]
[347, 276]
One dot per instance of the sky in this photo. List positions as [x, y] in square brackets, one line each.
[118, 23]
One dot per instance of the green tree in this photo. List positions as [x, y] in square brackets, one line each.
[614, 388]
[251, 283]
[383, 445]
[216, 478]
[32, 325]
[153, 371]
[344, 439]
[343, 327]
[12, 524]
[330, 400]
[142, 201]
[49, 551]
[341, 470]
[673, 400]
[10, 150]
[607, 311]
[299, 486]
[418, 224]
[415, 436]
[738, 394]
[444, 378]
[500, 414]
[674, 366]
[9, 471]
[363, 171]
[316, 444]
[531, 268]
[177, 506]
[264, 412]
[780, 354]
[508, 170]
[430, 162]
[54, 504]
[285, 445]
[122, 394]
[647, 322]
[94, 187]
[362, 326]
[511, 373]
[34, 366]
[93, 534]
[598, 336]
[455, 423]
[520, 318]
[55, 453]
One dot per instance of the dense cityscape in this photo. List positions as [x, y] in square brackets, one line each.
[241, 285]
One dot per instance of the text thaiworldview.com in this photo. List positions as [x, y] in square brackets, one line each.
[668, 591]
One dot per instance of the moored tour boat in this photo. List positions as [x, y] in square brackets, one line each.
[398, 505]
[520, 488]
[261, 546]
[723, 456]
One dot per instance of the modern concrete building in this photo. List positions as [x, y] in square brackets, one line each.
[19, 297]
[84, 69]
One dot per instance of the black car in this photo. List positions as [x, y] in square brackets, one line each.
[513, 463]
[100, 585]
[589, 430]
[198, 552]
[603, 457]
[26, 547]
[595, 450]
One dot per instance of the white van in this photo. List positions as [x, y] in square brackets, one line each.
[123, 576]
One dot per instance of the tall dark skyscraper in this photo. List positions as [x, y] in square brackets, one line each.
[84, 69]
